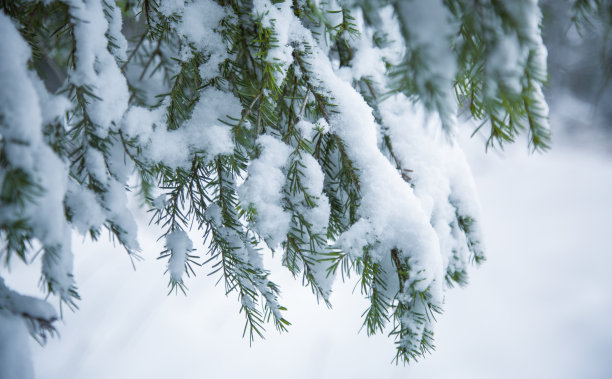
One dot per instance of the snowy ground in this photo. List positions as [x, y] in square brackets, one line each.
[540, 307]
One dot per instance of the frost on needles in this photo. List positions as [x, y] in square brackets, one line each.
[322, 131]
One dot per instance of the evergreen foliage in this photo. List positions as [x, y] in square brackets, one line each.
[323, 131]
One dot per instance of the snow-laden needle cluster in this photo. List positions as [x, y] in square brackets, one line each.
[322, 131]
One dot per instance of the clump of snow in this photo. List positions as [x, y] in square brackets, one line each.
[203, 133]
[204, 126]
[356, 238]
[85, 212]
[180, 245]
[141, 123]
[367, 59]
[306, 128]
[278, 17]
[168, 7]
[199, 25]
[396, 216]
[119, 164]
[19, 316]
[120, 44]
[96, 67]
[514, 50]
[395, 47]
[52, 107]
[440, 175]
[96, 165]
[263, 189]
[507, 63]
[313, 179]
[23, 305]
[115, 200]
[310, 217]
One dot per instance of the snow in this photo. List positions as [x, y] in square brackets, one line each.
[546, 219]
[159, 202]
[507, 62]
[85, 212]
[419, 217]
[313, 179]
[119, 164]
[139, 122]
[308, 130]
[21, 113]
[367, 60]
[395, 48]
[179, 244]
[353, 240]
[52, 107]
[280, 20]
[397, 218]
[96, 67]
[440, 175]
[114, 31]
[199, 25]
[15, 361]
[25, 305]
[205, 127]
[25, 149]
[429, 29]
[263, 189]
[115, 201]
[96, 165]
[15, 356]
[203, 133]
[169, 7]
[513, 49]
[199, 21]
